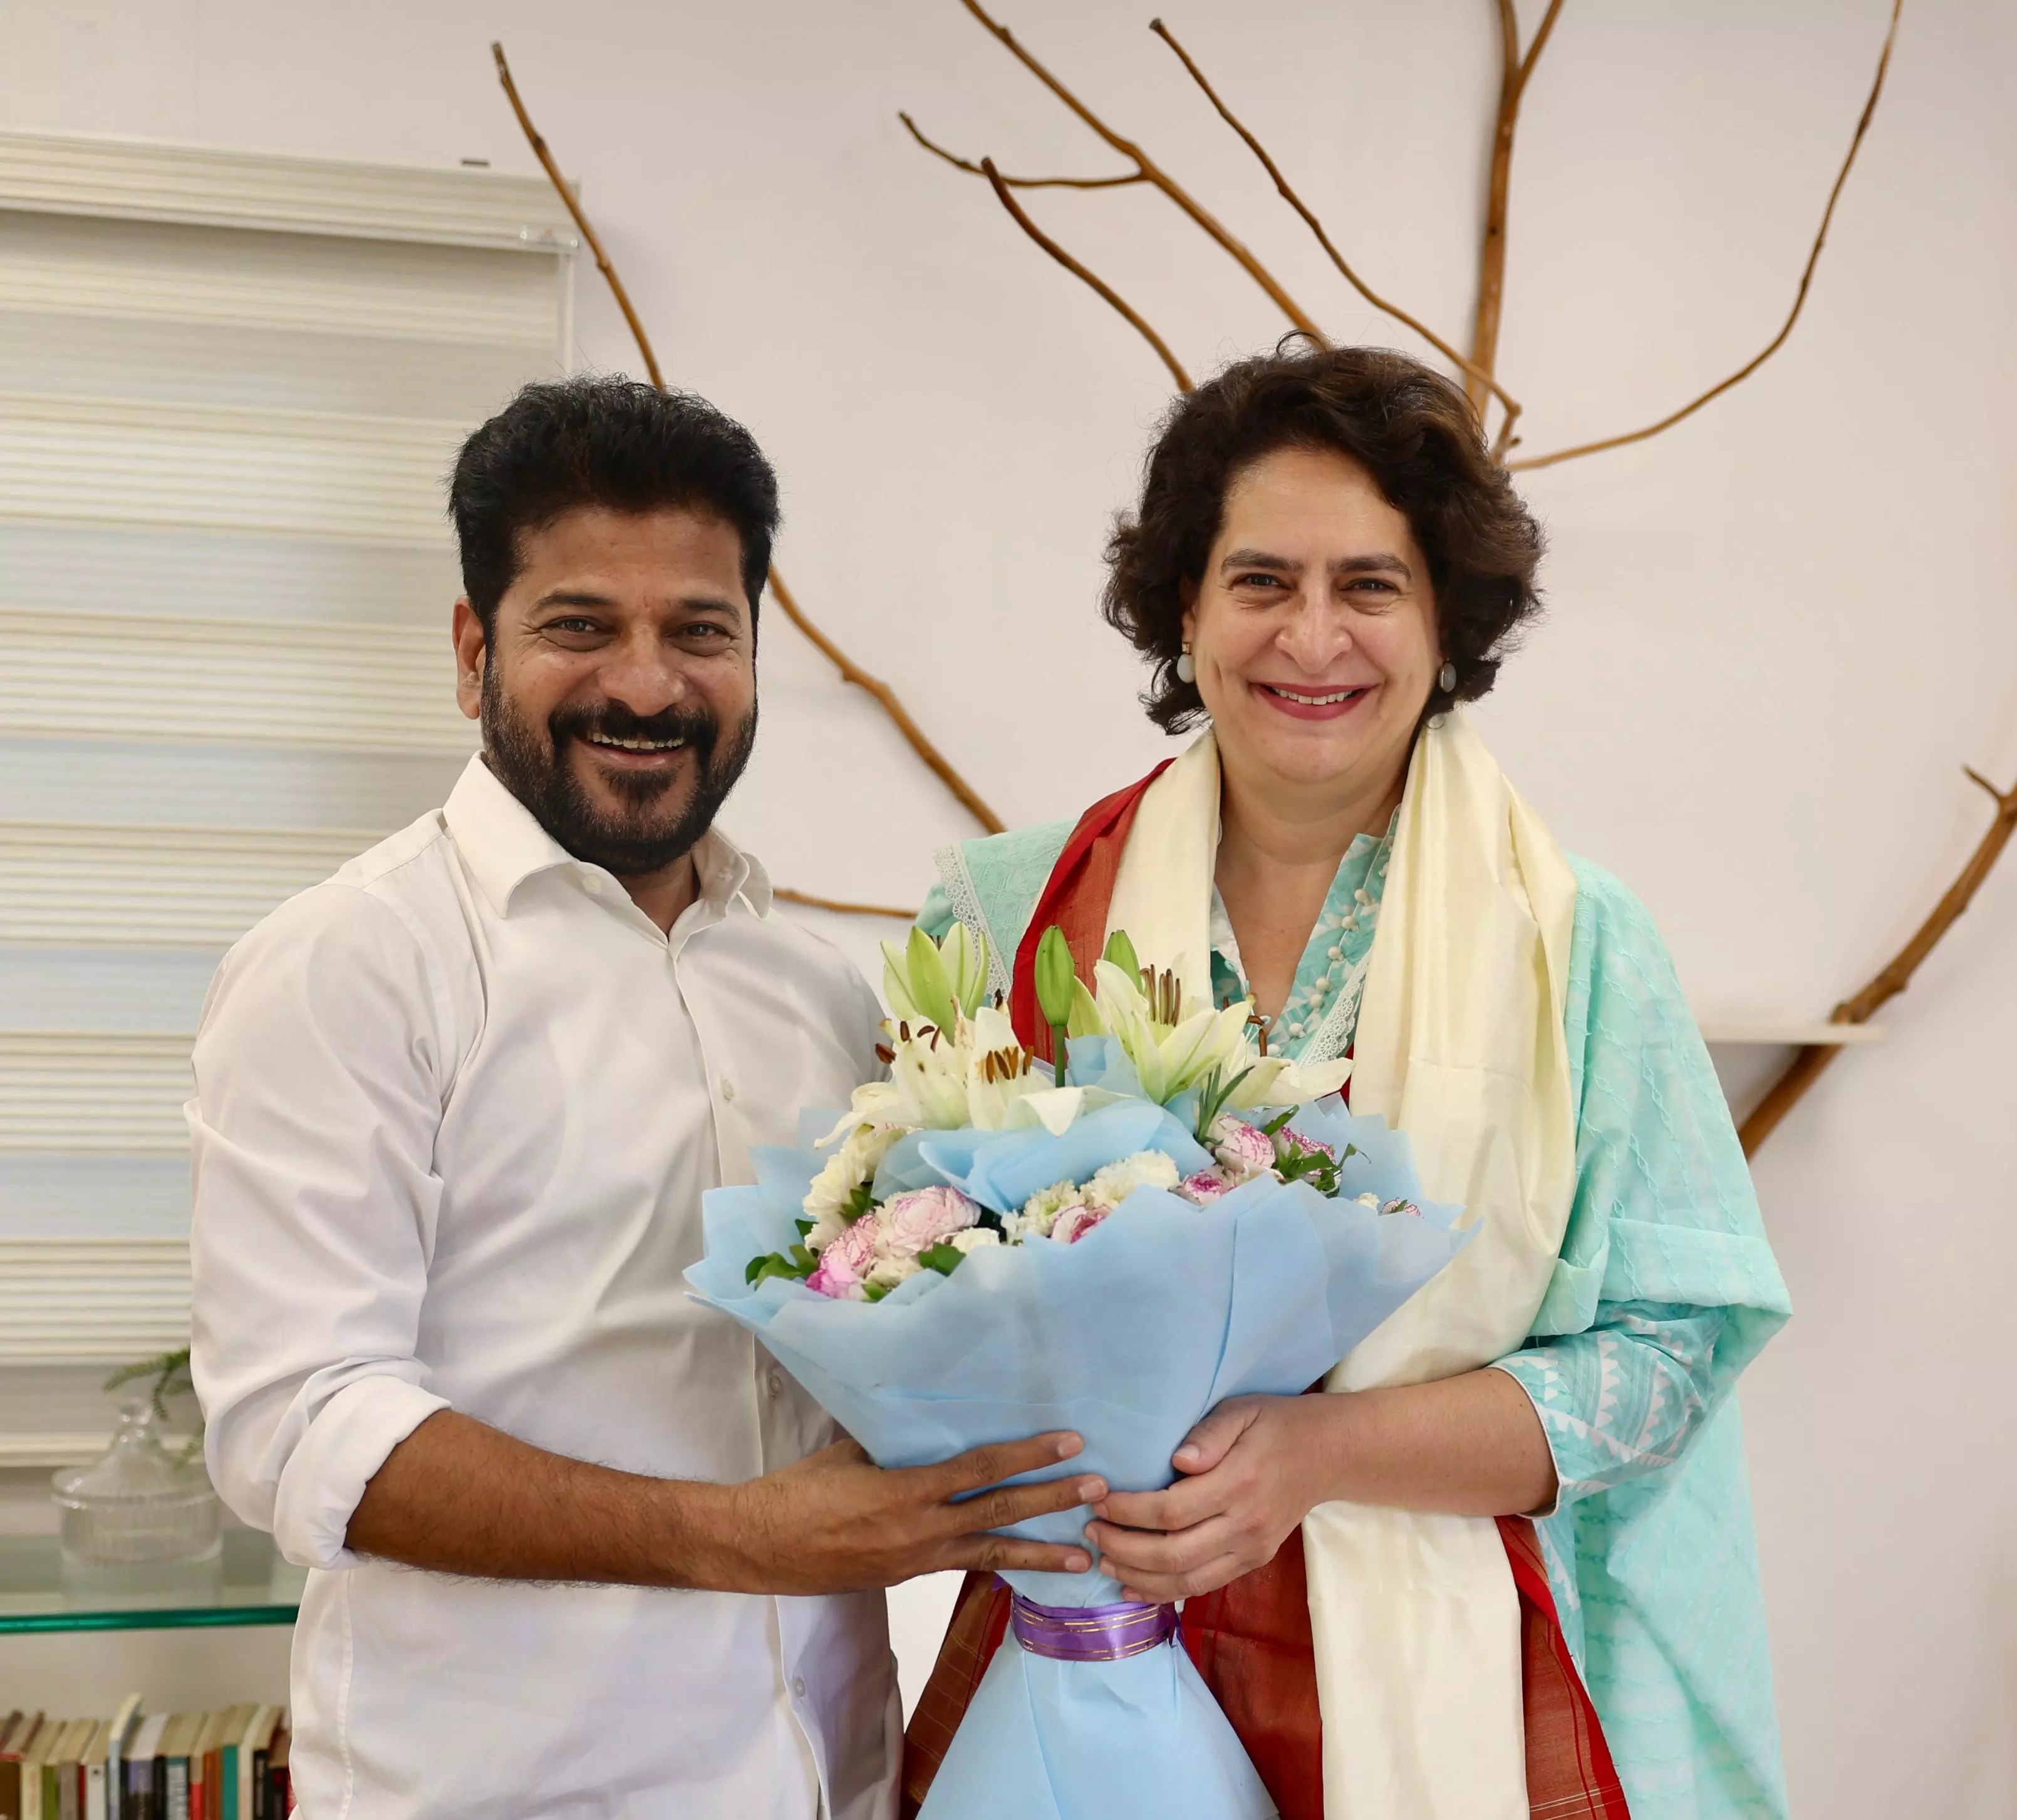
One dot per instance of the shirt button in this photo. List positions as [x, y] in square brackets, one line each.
[728, 1090]
[774, 1383]
[798, 1687]
[591, 884]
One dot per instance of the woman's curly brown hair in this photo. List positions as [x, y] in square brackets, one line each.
[1412, 428]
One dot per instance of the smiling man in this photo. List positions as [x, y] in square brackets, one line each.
[456, 1110]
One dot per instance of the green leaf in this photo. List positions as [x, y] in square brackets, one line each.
[805, 1227]
[1278, 1123]
[874, 1291]
[943, 1258]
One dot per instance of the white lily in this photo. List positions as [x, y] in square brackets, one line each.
[1276, 1081]
[929, 1073]
[1000, 1073]
[1171, 1053]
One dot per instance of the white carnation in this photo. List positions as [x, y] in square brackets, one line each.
[974, 1238]
[1111, 1185]
[855, 1162]
[1040, 1212]
[889, 1271]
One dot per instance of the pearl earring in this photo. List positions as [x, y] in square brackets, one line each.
[1446, 678]
[1186, 668]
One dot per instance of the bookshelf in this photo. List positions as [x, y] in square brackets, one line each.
[249, 1584]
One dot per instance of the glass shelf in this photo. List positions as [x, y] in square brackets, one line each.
[248, 1583]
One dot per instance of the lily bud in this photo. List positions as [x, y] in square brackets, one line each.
[1121, 950]
[930, 990]
[1056, 977]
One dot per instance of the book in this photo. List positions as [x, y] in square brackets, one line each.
[199, 1742]
[144, 1772]
[92, 1773]
[35, 1760]
[237, 1719]
[21, 1730]
[60, 1772]
[125, 1722]
[174, 1782]
[277, 1780]
[252, 1764]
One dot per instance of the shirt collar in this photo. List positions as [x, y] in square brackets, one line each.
[502, 844]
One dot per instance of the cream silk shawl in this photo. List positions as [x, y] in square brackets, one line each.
[1461, 1044]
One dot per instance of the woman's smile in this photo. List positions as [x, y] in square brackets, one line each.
[1308, 704]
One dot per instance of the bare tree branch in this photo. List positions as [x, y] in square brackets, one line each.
[850, 671]
[968, 165]
[1799, 300]
[1323, 239]
[841, 905]
[1808, 1062]
[1514, 72]
[588, 233]
[1151, 172]
[1081, 273]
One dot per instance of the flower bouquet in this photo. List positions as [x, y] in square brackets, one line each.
[987, 1246]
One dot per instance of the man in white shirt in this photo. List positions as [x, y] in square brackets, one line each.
[455, 1112]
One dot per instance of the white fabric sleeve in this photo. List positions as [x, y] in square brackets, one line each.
[320, 1072]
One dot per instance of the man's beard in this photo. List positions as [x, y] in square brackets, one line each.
[647, 834]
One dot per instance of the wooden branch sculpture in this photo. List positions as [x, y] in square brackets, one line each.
[1479, 370]
[1809, 1062]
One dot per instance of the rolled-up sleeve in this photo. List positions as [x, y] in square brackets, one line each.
[320, 1072]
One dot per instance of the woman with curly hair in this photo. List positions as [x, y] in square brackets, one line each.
[1505, 1567]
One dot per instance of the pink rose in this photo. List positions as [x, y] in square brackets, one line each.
[1244, 1149]
[1074, 1221]
[844, 1264]
[1206, 1186]
[913, 1223]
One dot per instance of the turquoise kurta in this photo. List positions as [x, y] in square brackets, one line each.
[1665, 1289]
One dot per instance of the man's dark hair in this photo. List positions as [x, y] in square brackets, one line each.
[603, 441]
[1412, 429]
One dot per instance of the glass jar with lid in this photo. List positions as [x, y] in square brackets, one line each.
[138, 1506]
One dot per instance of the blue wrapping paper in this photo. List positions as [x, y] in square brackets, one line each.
[1128, 1337]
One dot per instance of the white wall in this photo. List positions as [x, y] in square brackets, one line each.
[1776, 633]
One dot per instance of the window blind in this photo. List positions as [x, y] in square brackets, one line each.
[231, 384]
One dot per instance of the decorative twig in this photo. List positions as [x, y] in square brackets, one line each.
[567, 196]
[1514, 72]
[1799, 298]
[841, 905]
[1478, 381]
[1078, 271]
[849, 670]
[1149, 171]
[1807, 1065]
[967, 164]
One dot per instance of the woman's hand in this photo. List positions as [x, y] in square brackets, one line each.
[1252, 1470]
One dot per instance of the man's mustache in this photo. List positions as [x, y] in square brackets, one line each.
[690, 724]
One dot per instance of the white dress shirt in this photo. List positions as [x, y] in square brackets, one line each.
[456, 1109]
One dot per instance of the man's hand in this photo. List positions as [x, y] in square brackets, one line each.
[458, 1496]
[836, 1521]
